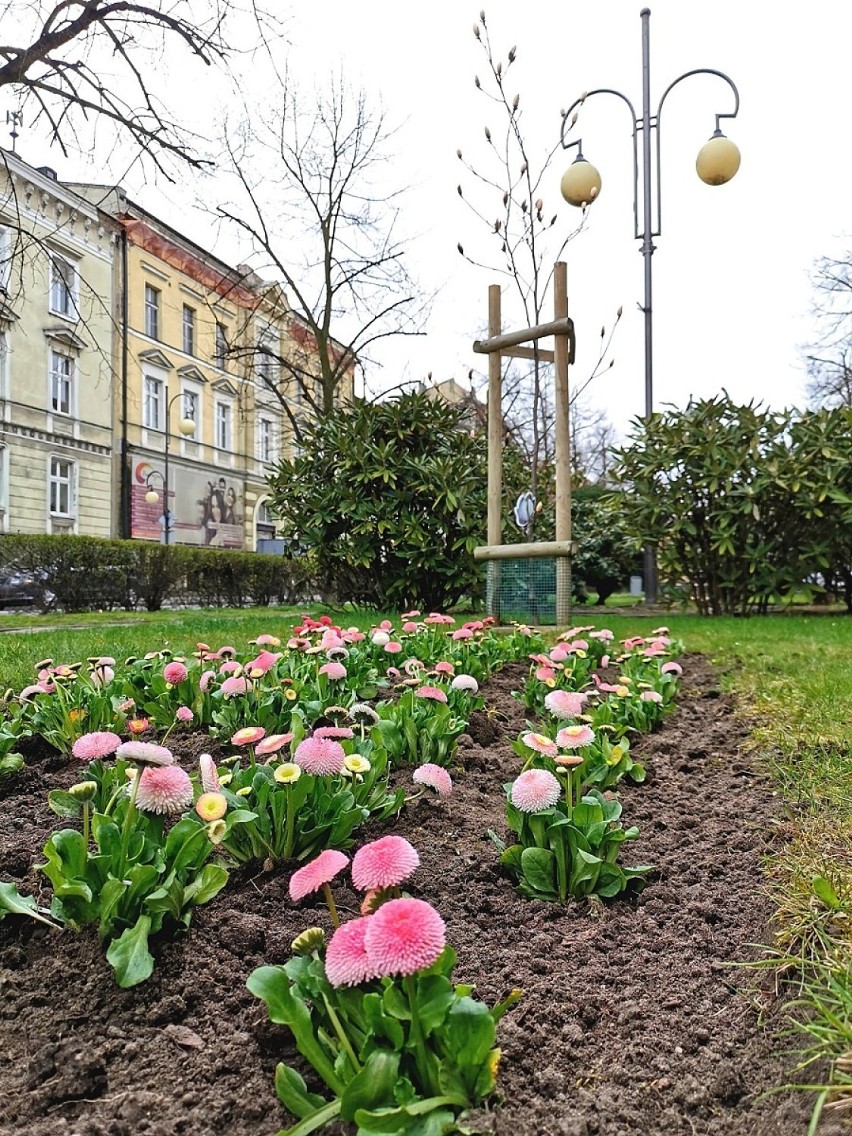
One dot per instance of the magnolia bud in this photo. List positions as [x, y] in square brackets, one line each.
[619, 311]
[512, 53]
[497, 225]
[505, 198]
[523, 206]
[476, 81]
[487, 134]
[458, 153]
[482, 16]
[574, 119]
[539, 205]
[459, 188]
[515, 102]
[476, 30]
[461, 250]
[603, 332]
[524, 168]
[499, 70]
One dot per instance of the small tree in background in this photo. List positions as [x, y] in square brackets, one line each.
[391, 498]
[710, 487]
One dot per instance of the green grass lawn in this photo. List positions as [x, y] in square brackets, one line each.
[793, 676]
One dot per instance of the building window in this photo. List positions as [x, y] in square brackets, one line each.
[265, 440]
[221, 352]
[191, 404]
[223, 426]
[61, 383]
[5, 258]
[153, 396]
[188, 329]
[61, 487]
[266, 355]
[152, 312]
[63, 287]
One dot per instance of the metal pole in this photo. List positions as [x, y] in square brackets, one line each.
[563, 447]
[166, 517]
[495, 447]
[650, 562]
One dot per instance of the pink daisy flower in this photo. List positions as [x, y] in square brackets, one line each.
[413, 614]
[272, 743]
[174, 673]
[408, 627]
[267, 641]
[404, 936]
[433, 692]
[565, 703]
[236, 684]
[541, 743]
[91, 747]
[145, 753]
[575, 737]
[444, 668]
[165, 789]
[433, 777]
[346, 961]
[559, 654]
[334, 671]
[317, 872]
[380, 638]
[137, 725]
[671, 668]
[248, 736]
[205, 680]
[184, 714]
[383, 863]
[462, 633]
[465, 682]
[208, 774]
[231, 667]
[651, 696]
[393, 648]
[535, 790]
[323, 757]
[211, 807]
[545, 674]
[604, 635]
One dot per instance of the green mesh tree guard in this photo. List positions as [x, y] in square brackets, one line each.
[523, 590]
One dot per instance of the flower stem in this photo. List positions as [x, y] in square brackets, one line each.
[86, 825]
[128, 822]
[341, 1035]
[430, 1086]
[288, 831]
[329, 899]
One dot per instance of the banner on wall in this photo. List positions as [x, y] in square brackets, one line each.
[204, 507]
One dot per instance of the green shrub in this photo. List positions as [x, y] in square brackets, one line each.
[81, 573]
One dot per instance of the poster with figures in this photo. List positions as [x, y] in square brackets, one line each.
[204, 506]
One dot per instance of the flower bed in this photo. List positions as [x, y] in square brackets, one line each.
[627, 994]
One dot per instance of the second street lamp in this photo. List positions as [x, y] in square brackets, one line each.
[186, 426]
[717, 162]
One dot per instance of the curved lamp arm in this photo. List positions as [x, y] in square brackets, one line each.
[578, 142]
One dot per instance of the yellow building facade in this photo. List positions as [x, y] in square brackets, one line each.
[199, 401]
[57, 344]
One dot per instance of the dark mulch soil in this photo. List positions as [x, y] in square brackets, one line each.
[633, 1020]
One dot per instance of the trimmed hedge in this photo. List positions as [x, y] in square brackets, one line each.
[85, 573]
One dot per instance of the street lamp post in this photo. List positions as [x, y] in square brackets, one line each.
[717, 162]
[186, 426]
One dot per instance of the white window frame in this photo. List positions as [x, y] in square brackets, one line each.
[190, 444]
[220, 348]
[157, 422]
[188, 329]
[56, 481]
[266, 439]
[57, 377]
[64, 290]
[153, 297]
[4, 488]
[224, 442]
[5, 257]
[266, 367]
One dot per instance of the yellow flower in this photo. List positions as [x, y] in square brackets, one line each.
[621, 691]
[355, 763]
[76, 715]
[225, 778]
[216, 831]
[625, 680]
[615, 755]
[244, 792]
[211, 806]
[287, 773]
[311, 939]
[551, 682]
[580, 653]
[290, 694]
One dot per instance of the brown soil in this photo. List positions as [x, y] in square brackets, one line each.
[633, 1019]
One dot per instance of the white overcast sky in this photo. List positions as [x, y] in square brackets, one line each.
[731, 271]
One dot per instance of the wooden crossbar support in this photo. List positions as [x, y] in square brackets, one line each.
[531, 551]
[496, 346]
[557, 327]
